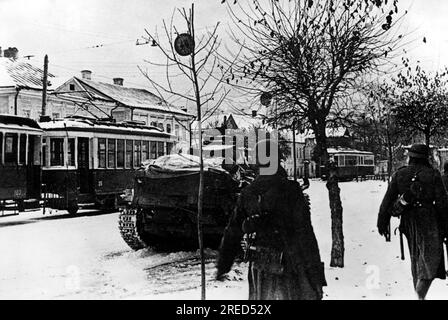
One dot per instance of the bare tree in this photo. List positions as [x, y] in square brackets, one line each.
[309, 55]
[199, 66]
[419, 101]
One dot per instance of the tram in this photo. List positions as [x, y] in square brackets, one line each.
[352, 163]
[20, 145]
[89, 162]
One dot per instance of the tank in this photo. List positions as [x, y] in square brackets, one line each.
[161, 210]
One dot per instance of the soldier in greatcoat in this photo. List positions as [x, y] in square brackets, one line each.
[272, 216]
[419, 190]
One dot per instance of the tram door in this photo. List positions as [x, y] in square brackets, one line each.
[83, 165]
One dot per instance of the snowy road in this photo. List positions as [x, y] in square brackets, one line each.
[83, 257]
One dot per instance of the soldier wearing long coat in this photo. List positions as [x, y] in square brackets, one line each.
[284, 259]
[424, 219]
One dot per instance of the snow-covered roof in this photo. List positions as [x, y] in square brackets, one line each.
[18, 73]
[131, 97]
[10, 122]
[332, 133]
[90, 124]
[246, 121]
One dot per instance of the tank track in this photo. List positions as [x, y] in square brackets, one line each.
[129, 229]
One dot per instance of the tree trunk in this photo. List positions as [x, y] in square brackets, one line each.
[337, 248]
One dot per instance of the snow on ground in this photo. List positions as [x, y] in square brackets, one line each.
[83, 257]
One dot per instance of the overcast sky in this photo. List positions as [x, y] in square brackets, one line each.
[101, 35]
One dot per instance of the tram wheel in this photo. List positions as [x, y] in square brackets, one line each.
[73, 208]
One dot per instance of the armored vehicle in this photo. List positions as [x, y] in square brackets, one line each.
[161, 209]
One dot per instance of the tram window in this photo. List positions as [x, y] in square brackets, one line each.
[57, 151]
[120, 153]
[169, 147]
[44, 152]
[111, 153]
[145, 150]
[31, 149]
[10, 148]
[160, 149]
[102, 153]
[129, 159]
[137, 153]
[71, 152]
[153, 151]
[22, 149]
[368, 160]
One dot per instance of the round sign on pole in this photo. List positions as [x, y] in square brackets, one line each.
[184, 44]
[265, 99]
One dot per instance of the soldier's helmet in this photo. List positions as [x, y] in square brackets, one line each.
[419, 151]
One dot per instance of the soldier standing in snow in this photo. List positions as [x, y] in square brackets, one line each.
[419, 191]
[273, 217]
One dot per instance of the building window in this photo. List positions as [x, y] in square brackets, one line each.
[57, 152]
[137, 153]
[160, 126]
[71, 152]
[27, 113]
[129, 162]
[176, 130]
[168, 128]
[111, 153]
[22, 152]
[145, 150]
[102, 153]
[160, 149]
[71, 87]
[153, 150]
[153, 124]
[56, 115]
[120, 153]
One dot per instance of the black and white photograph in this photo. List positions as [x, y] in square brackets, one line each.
[223, 150]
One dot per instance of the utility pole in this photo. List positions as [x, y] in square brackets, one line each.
[44, 87]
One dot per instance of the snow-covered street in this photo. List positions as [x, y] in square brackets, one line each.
[61, 257]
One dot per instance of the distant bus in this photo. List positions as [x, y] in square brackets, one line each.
[352, 163]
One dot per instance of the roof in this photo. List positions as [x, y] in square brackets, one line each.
[17, 73]
[18, 123]
[333, 133]
[131, 97]
[94, 125]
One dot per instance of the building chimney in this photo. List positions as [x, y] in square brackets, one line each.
[118, 81]
[86, 74]
[254, 113]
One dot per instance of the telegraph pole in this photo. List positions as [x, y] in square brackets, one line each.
[44, 88]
